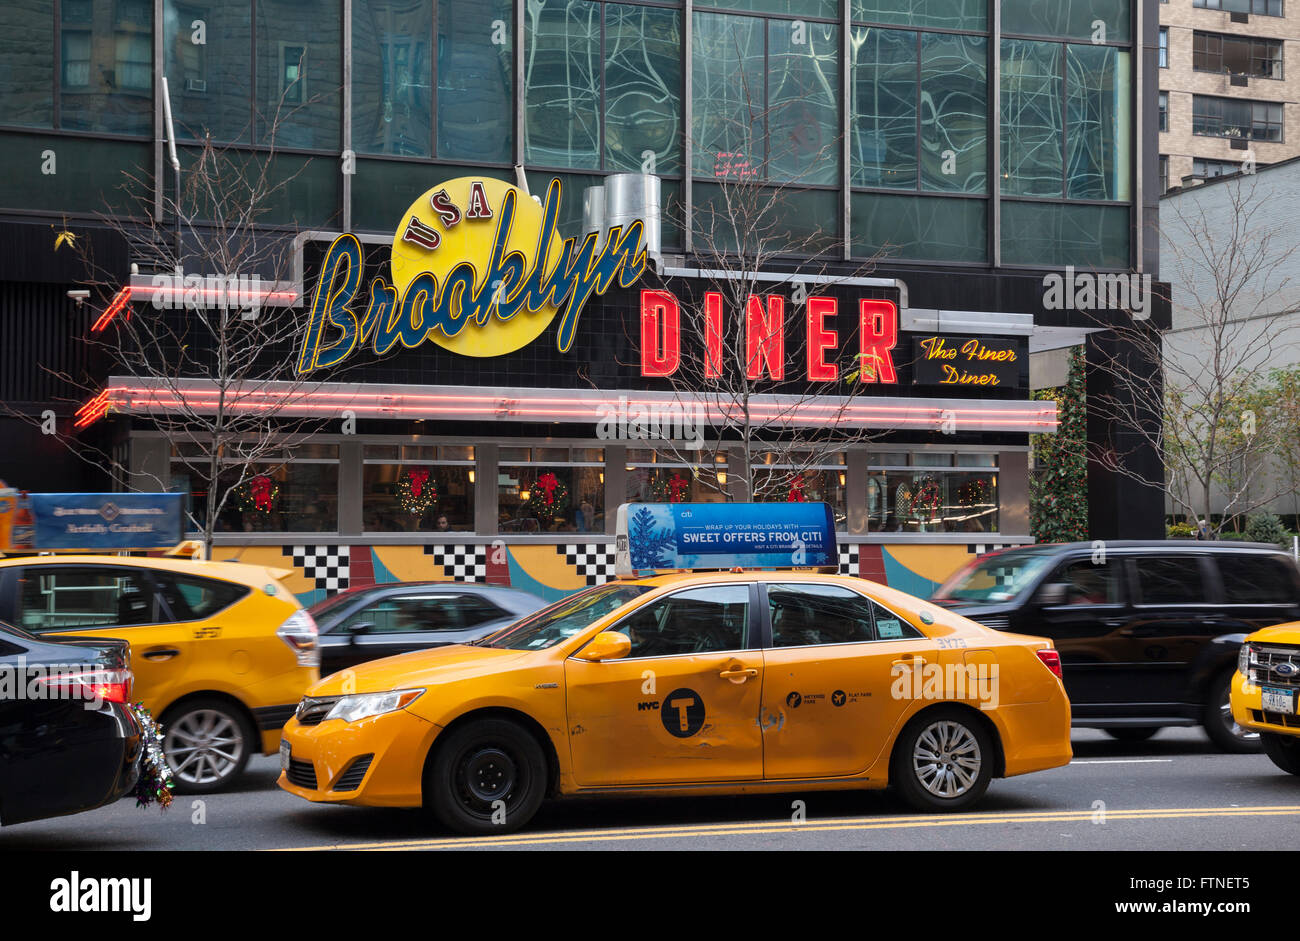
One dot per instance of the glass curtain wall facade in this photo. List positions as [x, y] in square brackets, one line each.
[876, 119]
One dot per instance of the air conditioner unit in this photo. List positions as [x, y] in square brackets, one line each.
[1240, 80]
[196, 85]
[1240, 144]
[1239, 17]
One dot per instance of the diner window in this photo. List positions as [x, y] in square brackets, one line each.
[551, 490]
[802, 478]
[933, 493]
[665, 478]
[417, 488]
[293, 491]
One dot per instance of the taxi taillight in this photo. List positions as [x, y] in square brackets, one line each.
[1051, 659]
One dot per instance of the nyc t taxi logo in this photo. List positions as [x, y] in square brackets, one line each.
[478, 268]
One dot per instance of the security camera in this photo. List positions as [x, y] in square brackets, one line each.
[79, 296]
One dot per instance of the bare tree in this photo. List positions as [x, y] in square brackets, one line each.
[1206, 406]
[205, 333]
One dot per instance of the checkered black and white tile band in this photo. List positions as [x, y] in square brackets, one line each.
[849, 559]
[593, 560]
[326, 566]
[460, 563]
[981, 548]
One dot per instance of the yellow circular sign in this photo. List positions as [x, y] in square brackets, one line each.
[460, 218]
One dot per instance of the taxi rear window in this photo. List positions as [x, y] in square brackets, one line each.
[565, 618]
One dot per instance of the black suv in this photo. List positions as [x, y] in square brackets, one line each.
[1148, 632]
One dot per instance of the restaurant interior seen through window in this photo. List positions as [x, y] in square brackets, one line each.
[415, 488]
[551, 490]
[292, 490]
[933, 493]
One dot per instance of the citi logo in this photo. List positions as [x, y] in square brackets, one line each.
[76, 894]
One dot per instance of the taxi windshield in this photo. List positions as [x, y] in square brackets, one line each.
[565, 618]
[993, 579]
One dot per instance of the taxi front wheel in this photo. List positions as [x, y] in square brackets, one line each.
[488, 776]
[1283, 751]
[943, 761]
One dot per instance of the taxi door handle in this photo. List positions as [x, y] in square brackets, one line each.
[742, 673]
[161, 653]
[910, 662]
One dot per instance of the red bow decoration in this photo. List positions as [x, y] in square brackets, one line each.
[418, 477]
[547, 484]
[260, 487]
[676, 486]
[796, 491]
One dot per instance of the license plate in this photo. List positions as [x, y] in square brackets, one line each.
[284, 755]
[1279, 700]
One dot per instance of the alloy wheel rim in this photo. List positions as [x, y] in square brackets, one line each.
[203, 746]
[946, 759]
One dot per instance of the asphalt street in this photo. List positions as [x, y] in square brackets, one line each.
[1174, 792]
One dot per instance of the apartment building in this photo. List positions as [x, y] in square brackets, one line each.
[1226, 93]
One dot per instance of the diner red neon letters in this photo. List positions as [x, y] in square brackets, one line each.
[821, 338]
[879, 335]
[660, 316]
[765, 336]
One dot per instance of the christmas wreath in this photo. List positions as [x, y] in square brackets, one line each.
[416, 493]
[550, 497]
[796, 494]
[672, 489]
[258, 494]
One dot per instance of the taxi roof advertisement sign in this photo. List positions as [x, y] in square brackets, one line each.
[653, 536]
[107, 520]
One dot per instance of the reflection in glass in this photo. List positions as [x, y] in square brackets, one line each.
[925, 501]
[26, 63]
[209, 81]
[884, 107]
[1031, 118]
[106, 66]
[803, 102]
[1097, 20]
[562, 84]
[954, 113]
[919, 227]
[941, 14]
[643, 81]
[298, 73]
[417, 498]
[392, 76]
[1099, 125]
[542, 499]
[727, 87]
[476, 79]
[1056, 234]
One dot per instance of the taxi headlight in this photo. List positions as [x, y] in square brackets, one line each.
[352, 708]
[1247, 661]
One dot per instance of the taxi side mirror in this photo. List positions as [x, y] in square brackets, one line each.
[607, 645]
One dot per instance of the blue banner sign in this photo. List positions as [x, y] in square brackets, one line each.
[654, 536]
[107, 520]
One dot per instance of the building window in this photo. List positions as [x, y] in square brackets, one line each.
[1164, 173]
[603, 87]
[1236, 55]
[1093, 20]
[1164, 47]
[289, 491]
[662, 477]
[415, 488]
[919, 228]
[932, 493]
[923, 124]
[922, 14]
[106, 79]
[794, 477]
[1066, 123]
[551, 490]
[1229, 117]
[392, 77]
[1058, 234]
[299, 73]
[209, 80]
[765, 98]
[1164, 111]
[1259, 7]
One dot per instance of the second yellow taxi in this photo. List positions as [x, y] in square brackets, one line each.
[703, 683]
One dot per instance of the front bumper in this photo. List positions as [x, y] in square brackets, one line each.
[1246, 699]
[328, 754]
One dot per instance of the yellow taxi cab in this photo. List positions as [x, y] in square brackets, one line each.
[222, 651]
[1265, 689]
[716, 682]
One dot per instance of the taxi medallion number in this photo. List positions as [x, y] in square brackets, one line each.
[1278, 700]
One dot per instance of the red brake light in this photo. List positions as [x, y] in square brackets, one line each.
[1052, 659]
[108, 685]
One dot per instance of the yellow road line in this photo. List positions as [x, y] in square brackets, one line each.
[818, 826]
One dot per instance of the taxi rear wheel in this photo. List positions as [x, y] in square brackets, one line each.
[207, 743]
[1283, 751]
[943, 761]
[488, 776]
